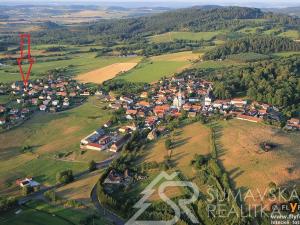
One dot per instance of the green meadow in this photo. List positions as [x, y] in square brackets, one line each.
[77, 63]
[41, 213]
[54, 145]
[293, 34]
[194, 36]
[152, 71]
[216, 64]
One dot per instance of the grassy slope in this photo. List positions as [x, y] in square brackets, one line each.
[82, 62]
[80, 190]
[153, 71]
[293, 34]
[251, 168]
[158, 66]
[216, 64]
[29, 216]
[171, 36]
[190, 140]
[49, 134]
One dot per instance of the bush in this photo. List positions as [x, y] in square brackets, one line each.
[7, 204]
[216, 170]
[92, 165]
[168, 144]
[26, 190]
[65, 176]
[50, 195]
[73, 204]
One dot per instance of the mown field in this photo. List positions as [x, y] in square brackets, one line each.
[106, 73]
[249, 167]
[41, 213]
[80, 190]
[194, 36]
[54, 141]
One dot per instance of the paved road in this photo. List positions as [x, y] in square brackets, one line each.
[39, 194]
[110, 216]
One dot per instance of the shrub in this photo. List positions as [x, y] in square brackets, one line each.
[26, 190]
[7, 204]
[65, 176]
[168, 144]
[50, 195]
[92, 165]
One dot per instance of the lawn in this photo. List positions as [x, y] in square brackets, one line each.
[194, 36]
[251, 168]
[78, 63]
[50, 134]
[41, 213]
[188, 141]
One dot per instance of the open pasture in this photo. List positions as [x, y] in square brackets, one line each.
[251, 168]
[188, 141]
[49, 135]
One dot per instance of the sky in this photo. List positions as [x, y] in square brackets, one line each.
[167, 3]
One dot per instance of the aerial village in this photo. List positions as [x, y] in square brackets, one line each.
[45, 95]
[171, 97]
[168, 98]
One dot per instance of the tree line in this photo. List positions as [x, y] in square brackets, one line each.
[258, 44]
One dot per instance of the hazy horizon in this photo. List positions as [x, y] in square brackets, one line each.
[157, 3]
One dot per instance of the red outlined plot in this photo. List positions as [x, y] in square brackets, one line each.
[22, 57]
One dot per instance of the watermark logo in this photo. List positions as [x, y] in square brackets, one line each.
[142, 204]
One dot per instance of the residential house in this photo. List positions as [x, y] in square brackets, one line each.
[249, 118]
[27, 182]
[43, 107]
[2, 121]
[126, 99]
[118, 144]
[293, 123]
[2, 109]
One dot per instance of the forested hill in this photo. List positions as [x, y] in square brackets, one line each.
[259, 44]
[191, 19]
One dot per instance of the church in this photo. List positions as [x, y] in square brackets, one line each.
[178, 101]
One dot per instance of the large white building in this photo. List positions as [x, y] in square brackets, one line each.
[178, 101]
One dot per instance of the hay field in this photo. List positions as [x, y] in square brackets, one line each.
[106, 73]
[251, 168]
[177, 57]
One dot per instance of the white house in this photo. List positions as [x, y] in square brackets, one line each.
[207, 100]
[43, 107]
